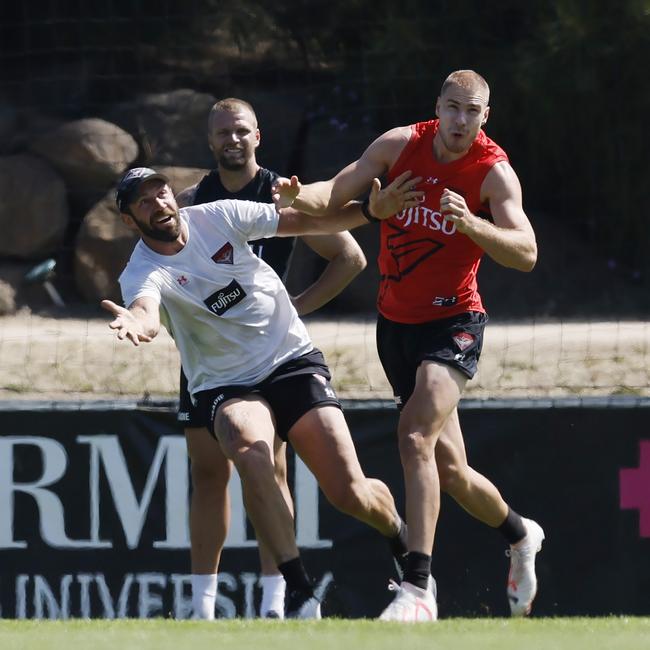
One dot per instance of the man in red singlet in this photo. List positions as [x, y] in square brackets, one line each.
[431, 318]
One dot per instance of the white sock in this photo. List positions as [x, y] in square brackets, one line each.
[273, 588]
[204, 595]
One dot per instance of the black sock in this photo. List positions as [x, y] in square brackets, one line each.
[398, 545]
[295, 576]
[418, 569]
[512, 528]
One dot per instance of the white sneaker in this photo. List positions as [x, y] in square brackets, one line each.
[411, 604]
[433, 588]
[522, 581]
[308, 609]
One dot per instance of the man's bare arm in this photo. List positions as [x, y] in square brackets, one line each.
[382, 204]
[345, 261]
[510, 240]
[350, 183]
[140, 323]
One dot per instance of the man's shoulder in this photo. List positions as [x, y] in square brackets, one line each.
[489, 147]
[140, 263]
[499, 178]
[224, 213]
[395, 146]
[264, 181]
[398, 136]
[186, 196]
[198, 215]
[208, 188]
[268, 174]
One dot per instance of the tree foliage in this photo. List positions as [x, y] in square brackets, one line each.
[569, 82]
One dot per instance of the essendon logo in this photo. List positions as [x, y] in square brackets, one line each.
[224, 255]
[463, 340]
[223, 299]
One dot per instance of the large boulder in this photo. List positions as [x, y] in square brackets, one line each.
[33, 208]
[89, 154]
[19, 127]
[170, 127]
[102, 249]
[7, 299]
[104, 243]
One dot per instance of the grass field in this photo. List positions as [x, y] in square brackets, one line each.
[452, 634]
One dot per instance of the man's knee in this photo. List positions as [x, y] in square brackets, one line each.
[208, 464]
[418, 431]
[210, 474]
[253, 461]
[415, 445]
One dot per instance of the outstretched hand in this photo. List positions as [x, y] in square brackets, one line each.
[285, 191]
[126, 324]
[395, 197]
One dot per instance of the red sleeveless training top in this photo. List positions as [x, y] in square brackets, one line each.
[428, 269]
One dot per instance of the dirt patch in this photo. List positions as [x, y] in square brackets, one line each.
[49, 357]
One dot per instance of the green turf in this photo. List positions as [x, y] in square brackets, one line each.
[451, 634]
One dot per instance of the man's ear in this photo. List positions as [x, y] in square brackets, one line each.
[258, 138]
[128, 221]
[438, 107]
[485, 115]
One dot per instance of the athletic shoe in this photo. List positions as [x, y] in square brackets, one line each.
[274, 614]
[411, 604]
[433, 588]
[522, 581]
[301, 605]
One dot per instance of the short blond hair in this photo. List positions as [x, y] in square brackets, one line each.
[467, 79]
[232, 105]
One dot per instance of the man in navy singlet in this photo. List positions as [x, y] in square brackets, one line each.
[233, 136]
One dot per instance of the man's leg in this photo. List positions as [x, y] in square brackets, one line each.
[209, 516]
[471, 490]
[246, 432]
[436, 393]
[272, 581]
[481, 499]
[322, 440]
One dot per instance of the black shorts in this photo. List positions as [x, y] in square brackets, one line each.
[188, 415]
[402, 347]
[293, 389]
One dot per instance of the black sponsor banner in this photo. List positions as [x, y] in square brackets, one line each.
[94, 507]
